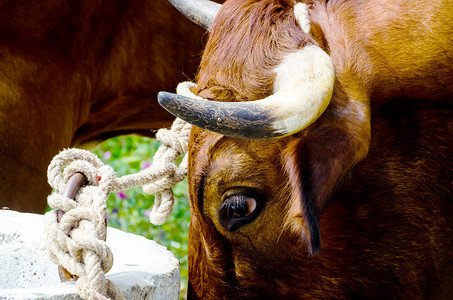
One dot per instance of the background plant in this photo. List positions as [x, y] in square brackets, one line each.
[129, 210]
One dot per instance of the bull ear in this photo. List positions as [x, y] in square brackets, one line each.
[318, 161]
[303, 213]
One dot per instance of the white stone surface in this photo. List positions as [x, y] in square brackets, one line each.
[142, 269]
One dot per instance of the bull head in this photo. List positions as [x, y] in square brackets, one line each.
[271, 159]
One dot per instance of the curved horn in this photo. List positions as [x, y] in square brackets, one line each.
[201, 12]
[303, 87]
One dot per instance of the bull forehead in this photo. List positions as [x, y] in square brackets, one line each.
[219, 164]
[231, 160]
[236, 162]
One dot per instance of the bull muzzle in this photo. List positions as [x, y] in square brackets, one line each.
[303, 87]
[201, 12]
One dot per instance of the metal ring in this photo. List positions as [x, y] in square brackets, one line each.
[74, 184]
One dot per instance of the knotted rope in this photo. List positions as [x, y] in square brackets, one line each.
[77, 242]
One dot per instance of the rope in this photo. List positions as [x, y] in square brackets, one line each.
[174, 143]
[77, 242]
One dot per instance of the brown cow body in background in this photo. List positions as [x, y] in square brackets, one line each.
[371, 180]
[74, 73]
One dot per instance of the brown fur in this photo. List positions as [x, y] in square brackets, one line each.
[241, 57]
[384, 226]
[73, 73]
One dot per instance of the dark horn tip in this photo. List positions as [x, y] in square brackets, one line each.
[164, 98]
[173, 103]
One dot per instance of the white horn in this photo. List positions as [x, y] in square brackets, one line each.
[201, 12]
[303, 87]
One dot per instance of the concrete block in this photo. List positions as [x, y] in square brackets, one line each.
[142, 269]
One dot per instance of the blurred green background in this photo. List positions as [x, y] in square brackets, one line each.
[129, 210]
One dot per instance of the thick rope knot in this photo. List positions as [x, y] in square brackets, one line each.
[176, 138]
[77, 242]
[174, 143]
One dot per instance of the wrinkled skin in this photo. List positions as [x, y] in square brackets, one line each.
[373, 174]
[76, 73]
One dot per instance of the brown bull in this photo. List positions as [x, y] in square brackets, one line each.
[355, 199]
[73, 73]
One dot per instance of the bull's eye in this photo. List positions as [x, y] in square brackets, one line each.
[239, 209]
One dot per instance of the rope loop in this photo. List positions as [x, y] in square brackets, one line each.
[84, 159]
[77, 241]
[171, 140]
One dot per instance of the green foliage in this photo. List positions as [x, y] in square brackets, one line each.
[129, 210]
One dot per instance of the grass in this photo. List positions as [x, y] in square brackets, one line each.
[129, 210]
